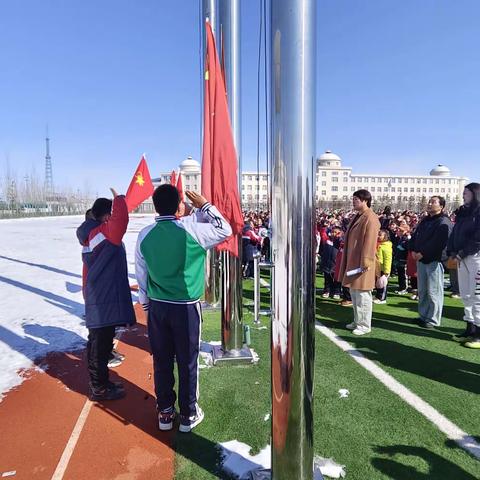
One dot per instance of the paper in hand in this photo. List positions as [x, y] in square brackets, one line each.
[355, 271]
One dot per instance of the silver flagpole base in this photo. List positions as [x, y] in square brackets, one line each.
[232, 357]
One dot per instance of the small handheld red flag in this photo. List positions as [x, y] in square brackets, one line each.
[180, 187]
[173, 178]
[141, 186]
[219, 162]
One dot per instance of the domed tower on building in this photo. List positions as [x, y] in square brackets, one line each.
[191, 173]
[329, 159]
[440, 171]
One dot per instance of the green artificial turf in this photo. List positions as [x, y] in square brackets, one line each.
[372, 432]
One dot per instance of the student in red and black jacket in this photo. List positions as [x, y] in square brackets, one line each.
[108, 301]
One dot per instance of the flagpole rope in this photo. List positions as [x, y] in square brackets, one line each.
[258, 104]
[267, 153]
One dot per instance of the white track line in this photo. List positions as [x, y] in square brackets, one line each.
[451, 430]
[72, 442]
[77, 430]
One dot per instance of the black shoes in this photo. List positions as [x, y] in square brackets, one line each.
[424, 324]
[110, 391]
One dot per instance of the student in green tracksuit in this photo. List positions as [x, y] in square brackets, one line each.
[169, 263]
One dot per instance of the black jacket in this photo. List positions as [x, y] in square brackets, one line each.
[328, 256]
[108, 299]
[430, 238]
[465, 237]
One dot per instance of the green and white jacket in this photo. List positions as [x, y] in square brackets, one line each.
[170, 255]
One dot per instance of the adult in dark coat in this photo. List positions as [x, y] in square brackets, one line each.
[108, 301]
[428, 245]
[464, 248]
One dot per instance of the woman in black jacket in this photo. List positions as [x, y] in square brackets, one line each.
[464, 247]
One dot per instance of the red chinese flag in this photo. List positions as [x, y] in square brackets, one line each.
[180, 187]
[173, 178]
[141, 186]
[219, 162]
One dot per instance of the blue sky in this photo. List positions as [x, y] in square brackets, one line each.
[398, 86]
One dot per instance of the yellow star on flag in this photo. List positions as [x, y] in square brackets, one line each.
[139, 179]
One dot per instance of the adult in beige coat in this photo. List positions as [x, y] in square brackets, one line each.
[359, 255]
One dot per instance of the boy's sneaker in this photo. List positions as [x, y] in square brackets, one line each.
[346, 303]
[111, 391]
[119, 355]
[187, 423]
[336, 297]
[467, 335]
[351, 326]
[360, 331]
[115, 359]
[473, 343]
[402, 292]
[455, 295]
[325, 295]
[379, 302]
[166, 418]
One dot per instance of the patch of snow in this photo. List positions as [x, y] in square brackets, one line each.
[41, 302]
[344, 393]
[237, 461]
[328, 467]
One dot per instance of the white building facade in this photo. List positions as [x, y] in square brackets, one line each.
[190, 170]
[336, 183]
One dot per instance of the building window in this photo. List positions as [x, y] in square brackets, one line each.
[334, 173]
[345, 189]
[430, 190]
[324, 184]
[385, 189]
[412, 190]
[249, 187]
[324, 193]
[345, 174]
[405, 189]
[334, 188]
[373, 189]
[334, 179]
[373, 180]
[324, 174]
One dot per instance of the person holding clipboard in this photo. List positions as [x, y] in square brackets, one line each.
[357, 270]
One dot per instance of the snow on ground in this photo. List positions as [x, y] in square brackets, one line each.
[238, 462]
[41, 303]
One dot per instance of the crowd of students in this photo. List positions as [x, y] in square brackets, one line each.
[419, 248]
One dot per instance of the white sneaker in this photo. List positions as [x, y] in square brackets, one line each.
[359, 332]
[402, 292]
[337, 297]
[187, 423]
[379, 302]
[351, 326]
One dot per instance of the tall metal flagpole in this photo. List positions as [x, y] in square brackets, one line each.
[293, 77]
[231, 298]
[212, 262]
